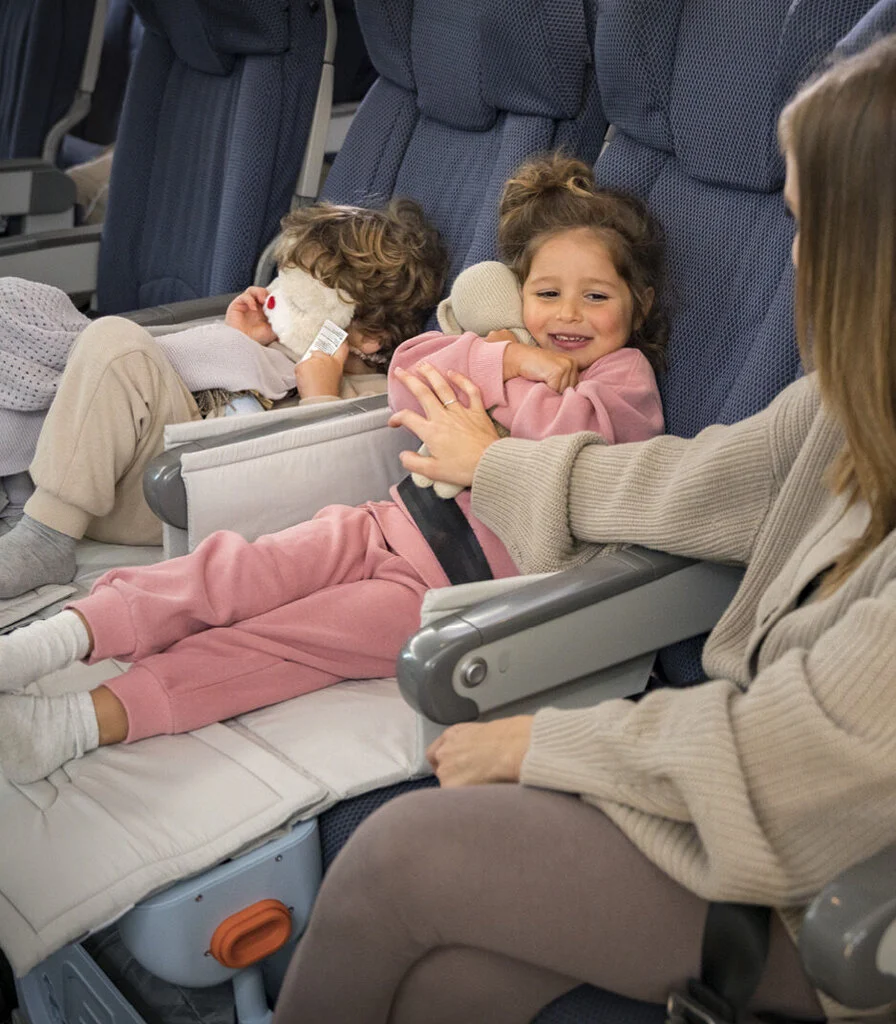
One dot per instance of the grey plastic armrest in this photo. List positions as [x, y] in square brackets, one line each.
[67, 258]
[181, 312]
[848, 939]
[33, 186]
[568, 627]
[163, 484]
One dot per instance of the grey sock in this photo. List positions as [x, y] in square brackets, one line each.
[39, 734]
[31, 555]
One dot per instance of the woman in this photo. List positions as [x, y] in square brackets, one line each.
[758, 786]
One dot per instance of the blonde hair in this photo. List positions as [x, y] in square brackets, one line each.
[840, 134]
[557, 193]
[389, 261]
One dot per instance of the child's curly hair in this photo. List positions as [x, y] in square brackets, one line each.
[558, 193]
[389, 261]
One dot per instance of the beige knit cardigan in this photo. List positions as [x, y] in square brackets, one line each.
[763, 783]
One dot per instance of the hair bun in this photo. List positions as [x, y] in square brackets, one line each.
[538, 179]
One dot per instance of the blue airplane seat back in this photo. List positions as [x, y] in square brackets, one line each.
[694, 91]
[466, 92]
[211, 139]
[42, 48]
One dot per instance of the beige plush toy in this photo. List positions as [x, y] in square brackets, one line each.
[298, 305]
[485, 297]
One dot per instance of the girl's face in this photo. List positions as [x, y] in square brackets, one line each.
[574, 301]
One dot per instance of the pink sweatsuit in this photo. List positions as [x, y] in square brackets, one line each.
[235, 625]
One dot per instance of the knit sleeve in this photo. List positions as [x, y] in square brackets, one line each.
[706, 497]
[760, 795]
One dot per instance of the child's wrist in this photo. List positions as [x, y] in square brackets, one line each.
[511, 360]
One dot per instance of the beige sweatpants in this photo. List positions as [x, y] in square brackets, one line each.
[117, 394]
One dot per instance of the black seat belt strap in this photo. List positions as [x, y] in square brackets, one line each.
[447, 531]
[735, 948]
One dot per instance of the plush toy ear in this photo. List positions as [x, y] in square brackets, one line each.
[446, 318]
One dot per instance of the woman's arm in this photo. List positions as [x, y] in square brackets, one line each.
[770, 792]
[706, 497]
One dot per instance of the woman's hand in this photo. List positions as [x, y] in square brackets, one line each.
[456, 435]
[246, 314]
[320, 375]
[555, 369]
[473, 754]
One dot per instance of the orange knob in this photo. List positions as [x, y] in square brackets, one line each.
[251, 934]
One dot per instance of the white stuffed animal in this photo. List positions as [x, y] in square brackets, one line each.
[485, 297]
[297, 306]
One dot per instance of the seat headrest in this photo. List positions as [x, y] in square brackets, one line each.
[452, 55]
[707, 80]
[208, 35]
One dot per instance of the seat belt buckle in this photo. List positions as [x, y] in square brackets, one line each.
[698, 1005]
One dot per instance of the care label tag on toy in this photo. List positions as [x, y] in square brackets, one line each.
[327, 339]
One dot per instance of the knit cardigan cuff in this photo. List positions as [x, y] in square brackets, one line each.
[533, 523]
[487, 367]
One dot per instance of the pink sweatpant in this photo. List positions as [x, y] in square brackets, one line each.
[236, 626]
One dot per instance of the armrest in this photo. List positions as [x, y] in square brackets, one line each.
[34, 187]
[163, 483]
[582, 625]
[181, 312]
[848, 939]
[67, 259]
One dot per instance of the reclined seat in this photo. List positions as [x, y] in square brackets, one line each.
[211, 141]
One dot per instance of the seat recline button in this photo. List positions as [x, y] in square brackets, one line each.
[474, 673]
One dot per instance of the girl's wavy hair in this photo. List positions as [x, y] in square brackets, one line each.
[557, 193]
[839, 134]
[389, 261]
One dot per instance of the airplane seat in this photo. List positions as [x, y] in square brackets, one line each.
[465, 93]
[211, 139]
[37, 36]
[693, 93]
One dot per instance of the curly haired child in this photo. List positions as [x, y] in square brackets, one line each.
[119, 388]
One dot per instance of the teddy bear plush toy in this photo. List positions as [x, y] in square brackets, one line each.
[485, 297]
[298, 307]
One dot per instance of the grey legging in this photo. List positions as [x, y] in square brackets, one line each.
[484, 904]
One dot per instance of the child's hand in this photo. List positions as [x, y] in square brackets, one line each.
[500, 336]
[538, 364]
[246, 314]
[320, 375]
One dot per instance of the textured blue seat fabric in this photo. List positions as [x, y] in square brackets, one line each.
[42, 47]
[466, 92]
[210, 143]
[694, 91]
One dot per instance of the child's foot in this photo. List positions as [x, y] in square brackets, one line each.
[39, 734]
[32, 555]
[44, 646]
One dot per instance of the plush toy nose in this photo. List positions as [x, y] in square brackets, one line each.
[271, 302]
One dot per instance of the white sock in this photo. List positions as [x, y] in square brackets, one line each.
[39, 734]
[41, 647]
